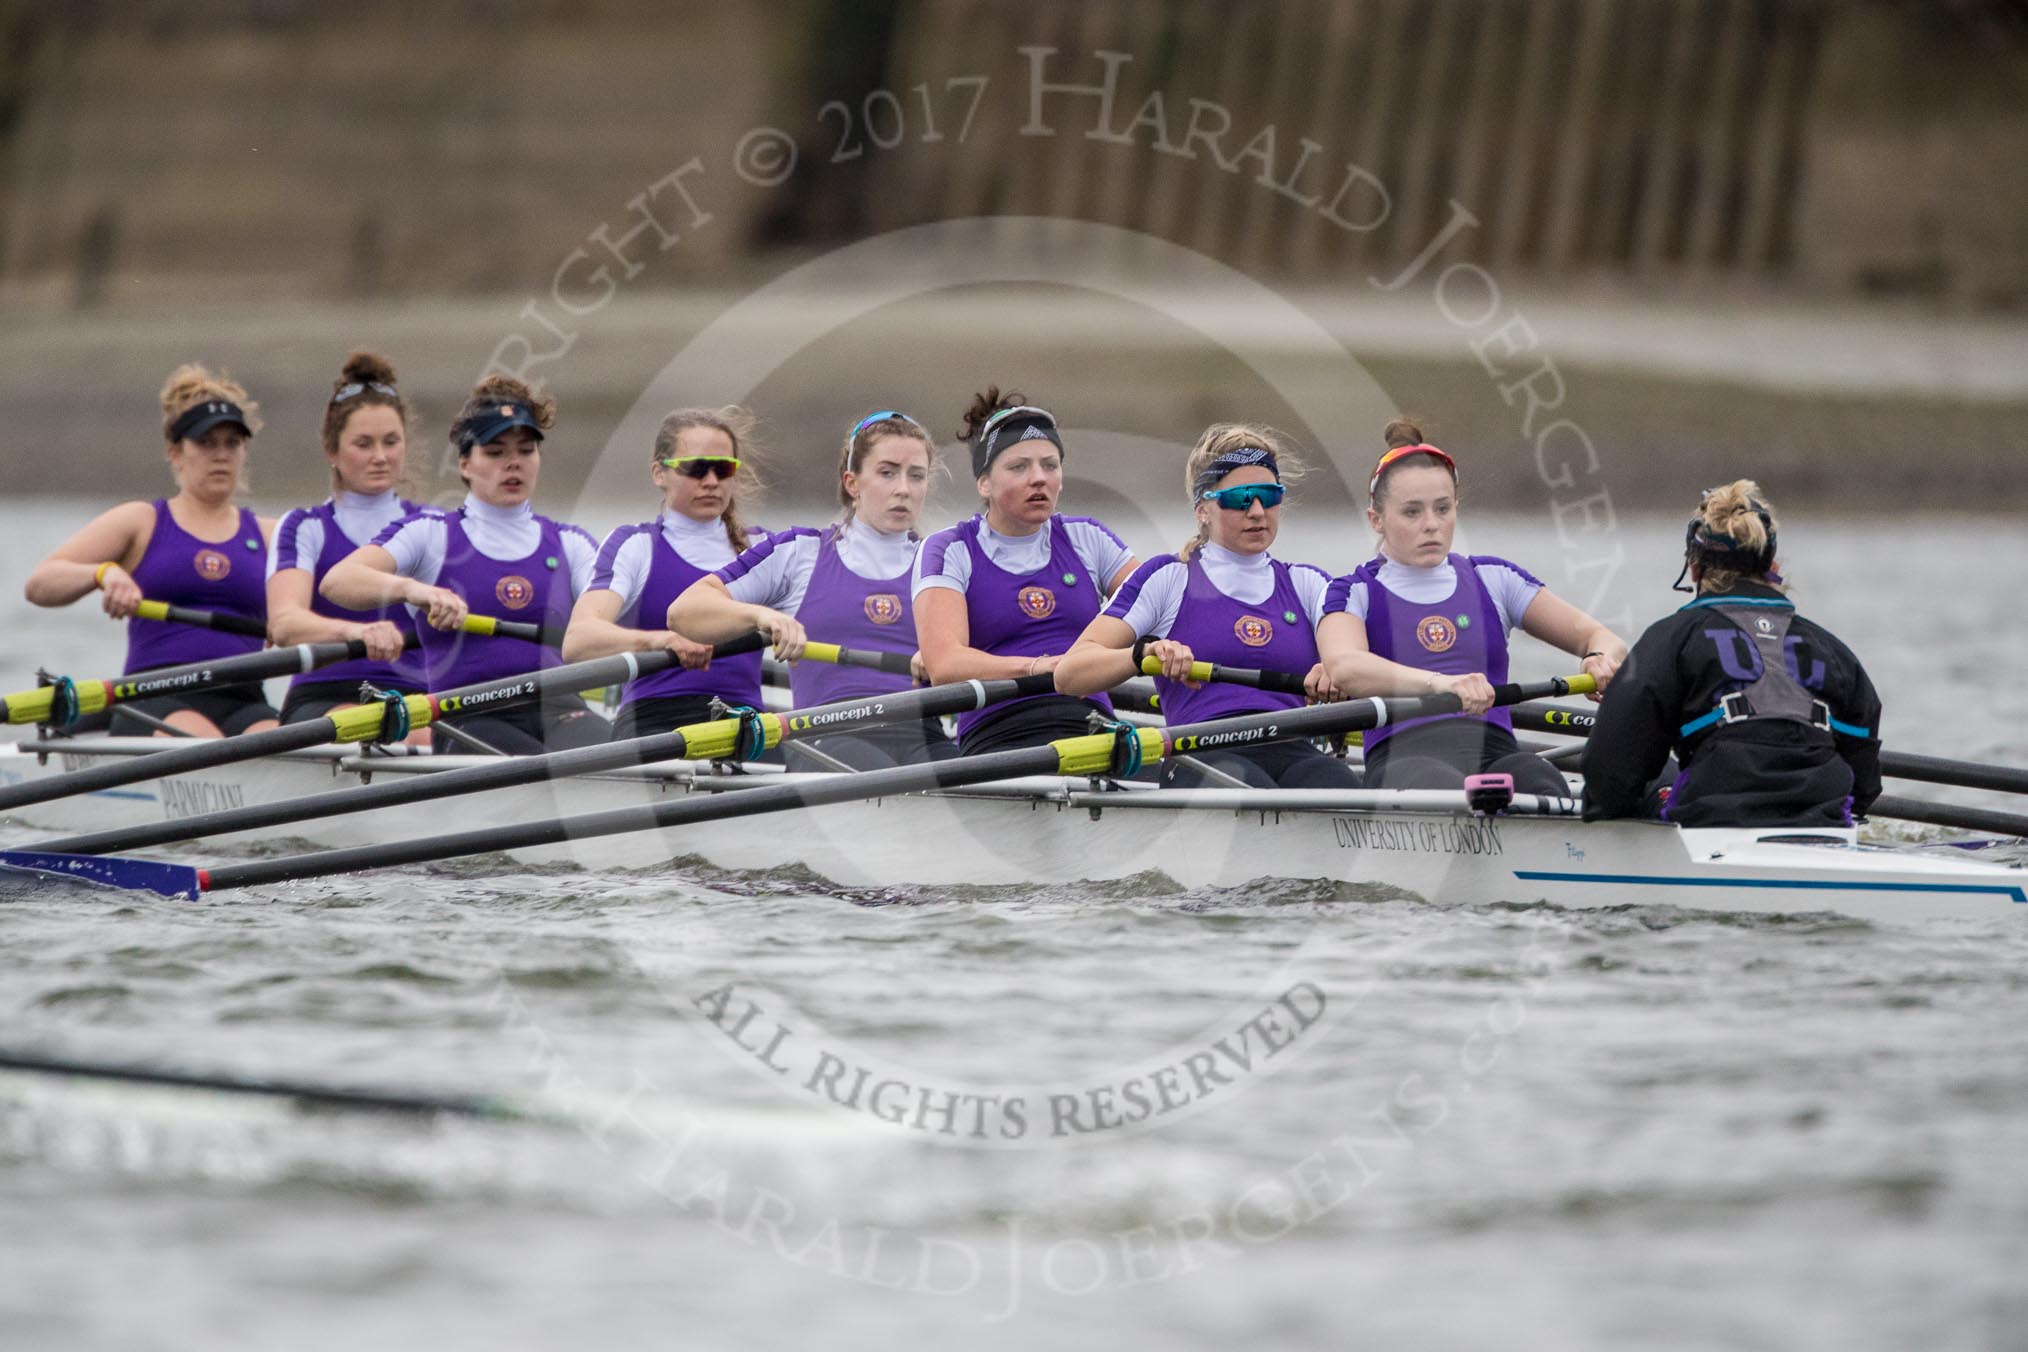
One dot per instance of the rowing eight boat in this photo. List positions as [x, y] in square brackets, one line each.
[1054, 829]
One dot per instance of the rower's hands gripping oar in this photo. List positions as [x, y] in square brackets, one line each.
[741, 735]
[225, 622]
[1166, 658]
[1095, 754]
[389, 720]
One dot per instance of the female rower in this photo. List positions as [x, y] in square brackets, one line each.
[1771, 718]
[847, 584]
[494, 556]
[702, 466]
[194, 549]
[366, 441]
[1222, 598]
[1007, 592]
[1419, 620]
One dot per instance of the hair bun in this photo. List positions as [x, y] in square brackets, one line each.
[367, 368]
[1402, 432]
[984, 405]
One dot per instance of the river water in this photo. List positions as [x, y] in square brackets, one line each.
[1454, 1128]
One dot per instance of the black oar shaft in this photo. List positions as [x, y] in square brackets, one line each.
[648, 817]
[233, 670]
[34, 706]
[1964, 774]
[300, 1091]
[1949, 814]
[194, 754]
[1897, 764]
[508, 772]
[1553, 718]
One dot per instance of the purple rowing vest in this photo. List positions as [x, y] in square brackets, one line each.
[530, 590]
[405, 673]
[1022, 615]
[1453, 637]
[841, 607]
[1274, 635]
[736, 680]
[181, 570]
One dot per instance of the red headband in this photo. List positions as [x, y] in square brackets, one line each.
[1396, 453]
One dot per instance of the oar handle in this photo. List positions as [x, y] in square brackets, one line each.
[1513, 692]
[221, 621]
[488, 626]
[895, 664]
[1280, 682]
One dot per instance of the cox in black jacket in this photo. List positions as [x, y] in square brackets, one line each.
[1754, 772]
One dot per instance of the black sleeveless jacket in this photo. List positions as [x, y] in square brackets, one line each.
[1771, 718]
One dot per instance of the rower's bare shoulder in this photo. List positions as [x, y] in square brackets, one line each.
[117, 528]
[138, 514]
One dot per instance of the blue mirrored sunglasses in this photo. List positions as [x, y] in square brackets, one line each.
[1246, 495]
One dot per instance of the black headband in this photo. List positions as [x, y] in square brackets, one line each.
[1008, 426]
[1701, 545]
[198, 419]
[1239, 457]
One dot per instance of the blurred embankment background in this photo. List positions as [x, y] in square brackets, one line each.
[1784, 237]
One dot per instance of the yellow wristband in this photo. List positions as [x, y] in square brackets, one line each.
[99, 574]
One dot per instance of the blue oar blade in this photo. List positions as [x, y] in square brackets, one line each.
[129, 875]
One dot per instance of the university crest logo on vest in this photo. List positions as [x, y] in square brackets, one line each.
[514, 591]
[883, 608]
[211, 565]
[1037, 603]
[1253, 631]
[1436, 633]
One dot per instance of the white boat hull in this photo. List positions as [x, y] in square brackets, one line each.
[1057, 830]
